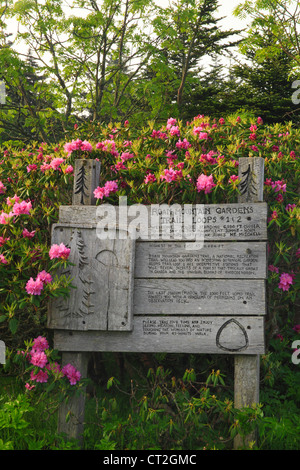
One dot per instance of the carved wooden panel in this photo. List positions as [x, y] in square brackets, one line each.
[102, 276]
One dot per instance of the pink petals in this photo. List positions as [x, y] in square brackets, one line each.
[205, 183]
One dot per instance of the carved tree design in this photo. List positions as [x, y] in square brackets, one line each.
[248, 183]
[81, 304]
[81, 184]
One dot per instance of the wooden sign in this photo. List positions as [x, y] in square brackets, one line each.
[86, 180]
[202, 296]
[217, 260]
[138, 286]
[102, 276]
[173, 334]
[220, 222]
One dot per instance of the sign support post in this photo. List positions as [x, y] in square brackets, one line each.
[247, 368]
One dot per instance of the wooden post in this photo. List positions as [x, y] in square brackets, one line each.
[247, 368]
[71, 412]
[86, 180]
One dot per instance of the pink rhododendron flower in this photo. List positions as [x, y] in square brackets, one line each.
[38, 358]
[296, 328]
[205, 183]
[273, 269]
[41, 376]
[70, 147]
[126, 156]
[208, 158]
[29, 387]
[11, 200]
[3, 240]
[171, 175]
[233, 178]
[59, 251]
[5, 218]
[279, 198]
[183, 144]
[27, 234]
[203, 135]
[274, 216]
[45, 277]
[69, 169]
[107, 146]
[158, 135]
[279, 186]
[86, 146]
[56, 162]
[99, 193]
[31, 167]
[171, 122]
[198, 129]
[110, 187]
[221, 121]
[3, 260]
[285, 281]
[40, 343]
[71, 373]
[150, 178]
[22, 207]
[290, 207]
[259, 120]
[34, 287]
[45, 166]
[2, 188]
[174, 131]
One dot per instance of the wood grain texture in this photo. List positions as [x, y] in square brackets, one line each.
[86, 180]
[169, 334]
[103, 279]
[220, 222]
[251, 175]
[215, 260]
[199, 296]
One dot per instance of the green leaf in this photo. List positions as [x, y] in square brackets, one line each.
[13, 325]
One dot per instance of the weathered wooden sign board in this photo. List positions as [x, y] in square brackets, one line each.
[137, 286]
[158, 293]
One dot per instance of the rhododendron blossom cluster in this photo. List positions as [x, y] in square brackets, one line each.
[38, 356]
[205, 183]
[59, 251]
[286, 280]
[106, 190]
[78, 144]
